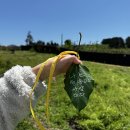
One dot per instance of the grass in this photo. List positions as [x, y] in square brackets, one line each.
[108, 107]
[7, 59]
[102, 49]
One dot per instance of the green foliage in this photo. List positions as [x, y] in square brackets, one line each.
[29, 39]
[115, 42]
[68, 43]
[128, 42]
[108, 107]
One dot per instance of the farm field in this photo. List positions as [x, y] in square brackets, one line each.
[108, 107]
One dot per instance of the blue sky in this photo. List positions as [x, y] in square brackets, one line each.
[48, 19]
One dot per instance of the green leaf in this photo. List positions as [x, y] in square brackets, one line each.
[79, 85]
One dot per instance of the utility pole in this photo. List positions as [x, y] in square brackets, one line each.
[61, 39]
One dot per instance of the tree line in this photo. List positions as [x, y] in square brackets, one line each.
[117, 42]
[30, 41]
[114, 42]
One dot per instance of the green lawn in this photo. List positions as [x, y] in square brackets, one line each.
[107, 109]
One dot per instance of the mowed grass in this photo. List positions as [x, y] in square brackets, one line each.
[108, 107]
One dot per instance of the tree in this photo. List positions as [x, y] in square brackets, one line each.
[29, 39]
[106, 41]
[115, 42]
[68, 43]
[39, 42]
[128, 42]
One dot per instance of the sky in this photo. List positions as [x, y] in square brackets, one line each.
[48, 20]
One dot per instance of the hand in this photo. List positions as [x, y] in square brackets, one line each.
[62, 66]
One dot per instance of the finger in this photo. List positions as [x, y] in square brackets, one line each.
[72, 59]
[76, 60]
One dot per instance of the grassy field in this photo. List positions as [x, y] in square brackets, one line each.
[107, 109]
